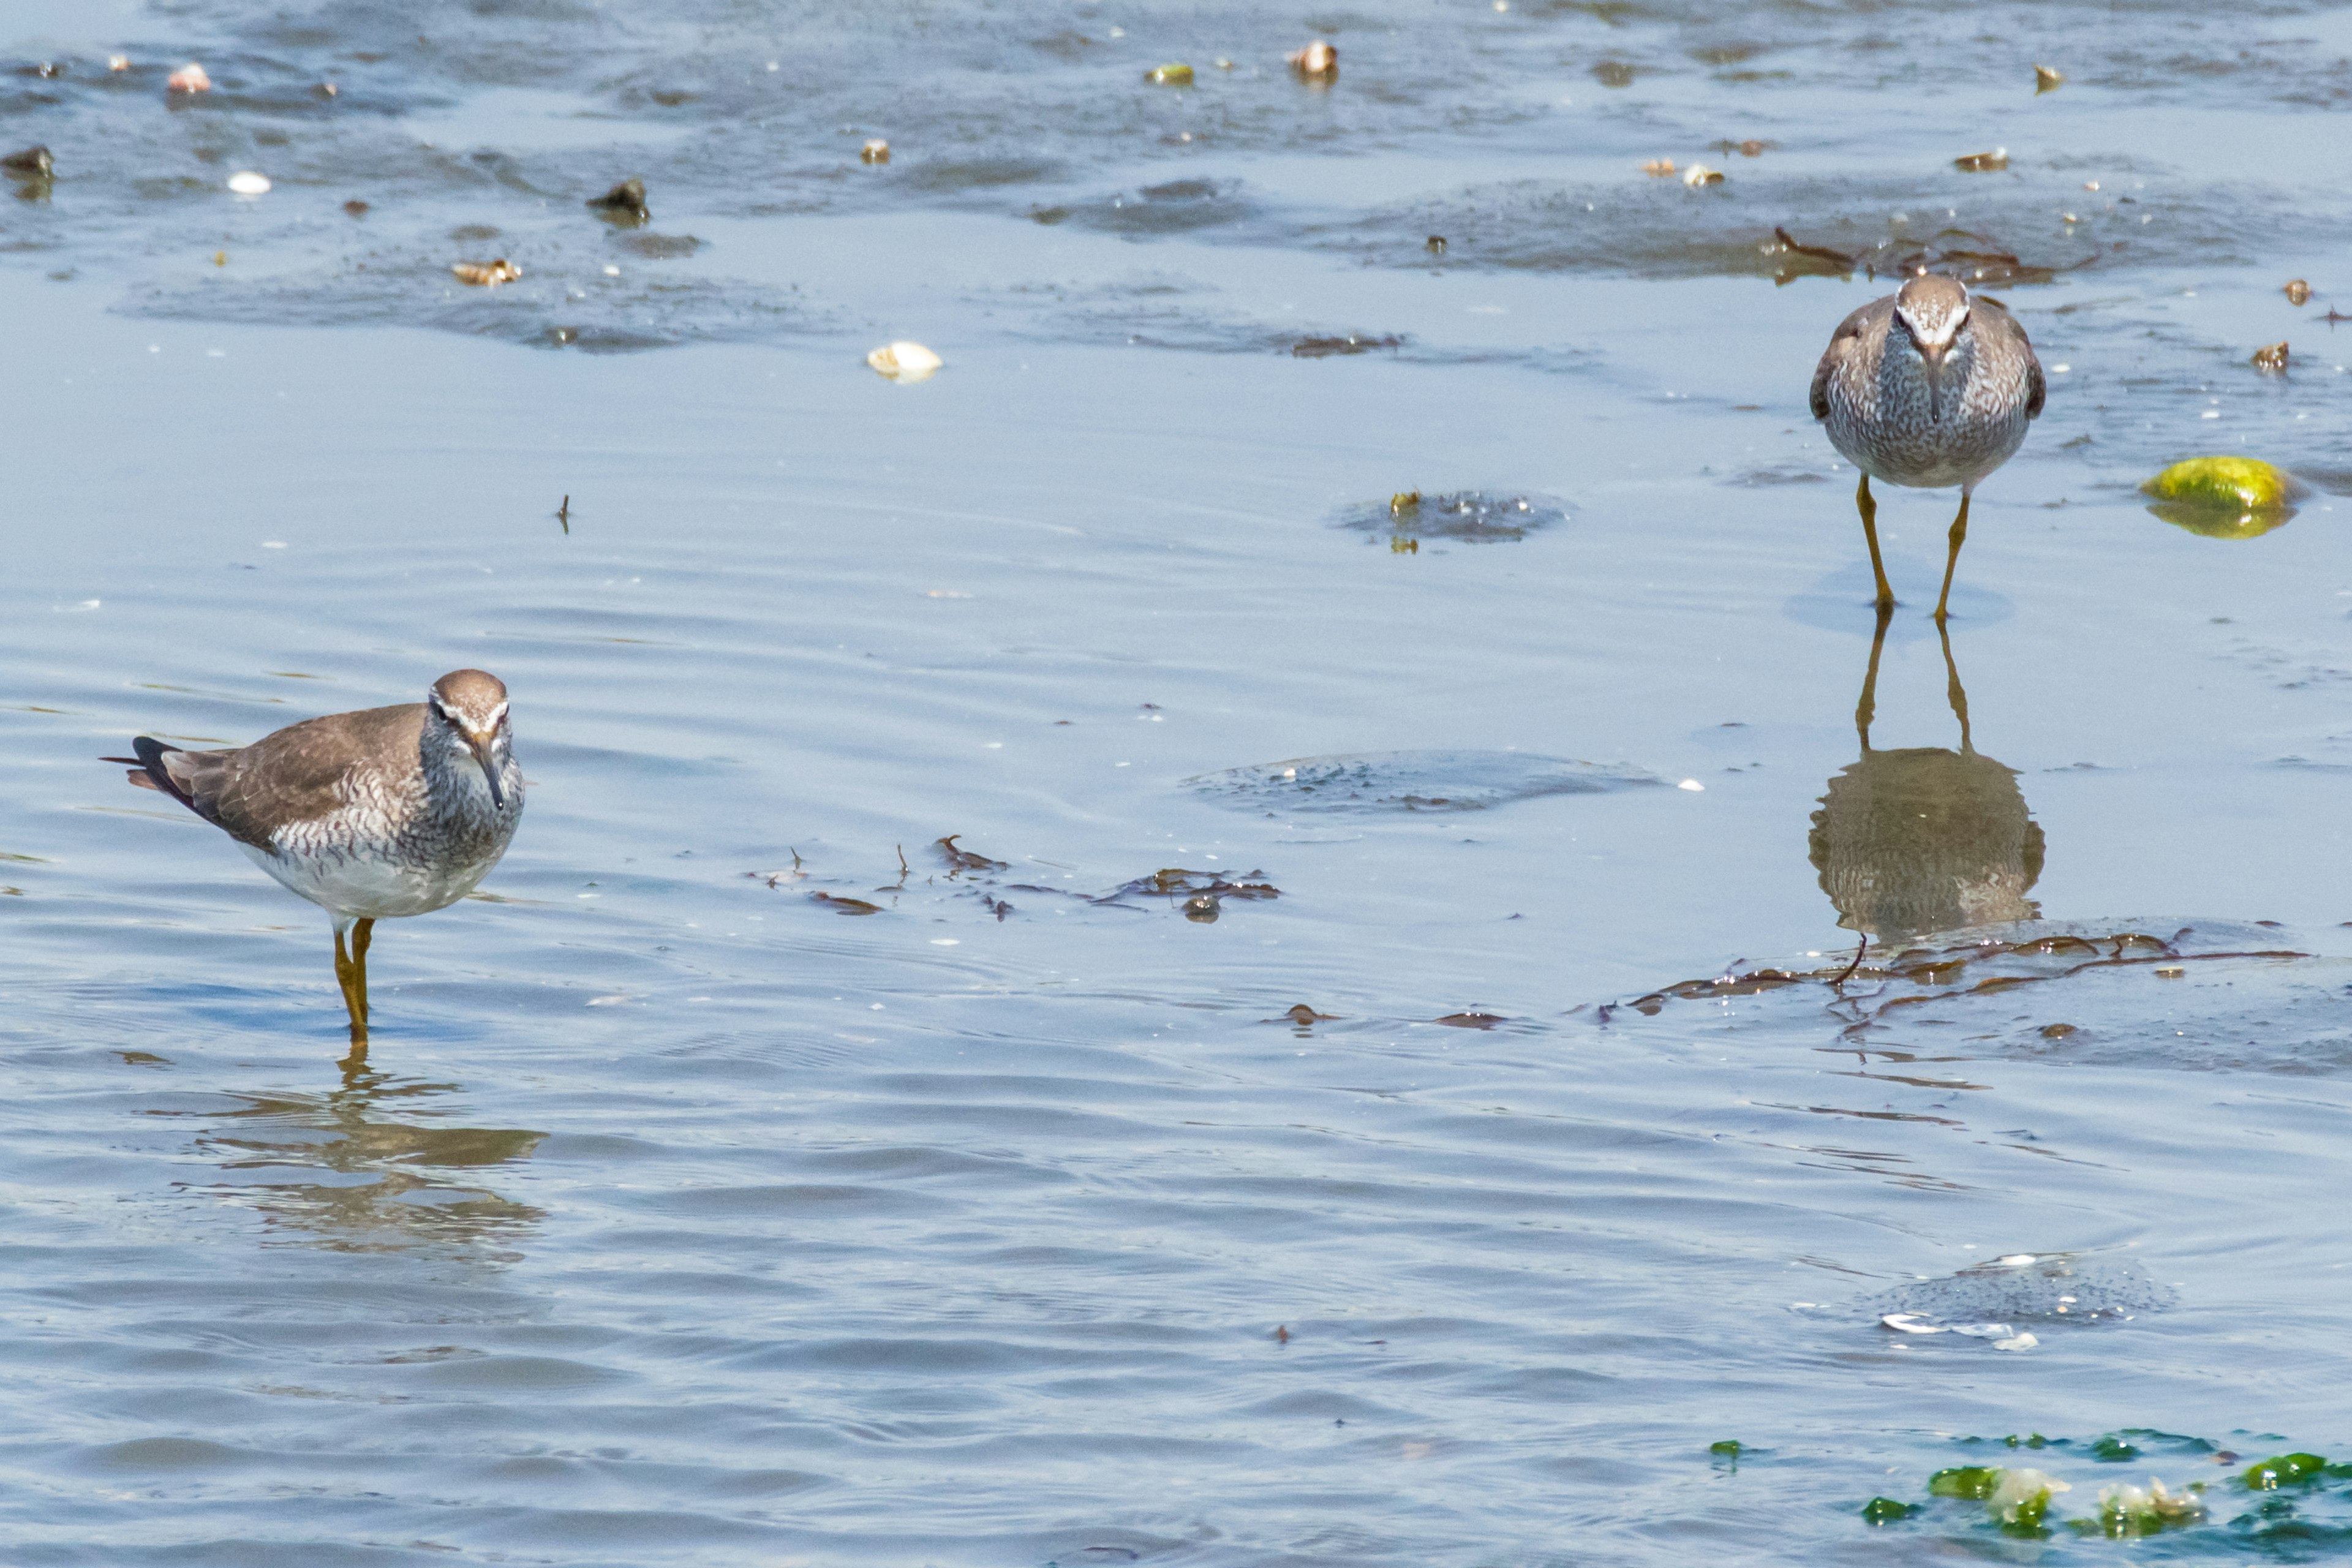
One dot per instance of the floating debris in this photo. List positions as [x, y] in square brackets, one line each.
[356, 208]
[2047, 79]
[247, 183]
[1471, 1020]
[117, 62]
[2127, 1509]
[2021, 1497]
[189, 78]
[486, 274]
[1658, 168]
[1201, 909]
[1475, 517]
[844, 906]
[904, 361]
[1887, 1510]
[962, 860]
[1300, 1014]
[1411, 781]
[1319, 61]
[1982, 163]
[1175, 74]
[1613, 73]
[33, 161]
[1435, 244]
[623, 204]
[325, 90]
[876, 151]
[1801, 260]
[1177, 882]
[2271, 357]
[2298, 292]
[1353, 343]
[1699, 174]
[2224, 498]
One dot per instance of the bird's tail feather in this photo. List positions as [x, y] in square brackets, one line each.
[148, 771]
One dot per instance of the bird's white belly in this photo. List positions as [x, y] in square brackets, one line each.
[368, 886]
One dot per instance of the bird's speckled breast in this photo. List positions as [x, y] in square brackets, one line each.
[1882, 419]
[404, 843]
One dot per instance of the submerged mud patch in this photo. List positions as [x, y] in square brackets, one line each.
[2045, 1288]
[1476, 517]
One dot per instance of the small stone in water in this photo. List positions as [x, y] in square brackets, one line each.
[875, 152]
[1436, 245]
[246, 183]
[1982, 163]
[626, 200]
[1175, 74]
[1318, 61]
[189, 78]
[486, 274]
[2298, 292]
[356, 208]
[2271, 357]
[904, 361]
[2046, 79]
[33, 161]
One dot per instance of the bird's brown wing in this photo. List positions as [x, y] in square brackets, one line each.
[293, 775]
[1843, 345]
[2010, 339]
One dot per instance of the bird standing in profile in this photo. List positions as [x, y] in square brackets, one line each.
[1928, 387]
[371, 815]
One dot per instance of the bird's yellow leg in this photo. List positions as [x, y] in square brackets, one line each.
[1869, 510]
[362, 933]
[1959, 537]
[352, 977]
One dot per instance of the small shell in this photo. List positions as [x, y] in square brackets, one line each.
[117, 62]
[2271, 357]
[875, 152]
[189, 78]
[1318, 61]
[486, 274]
[1983, 163]
[246, 183]
[2045, 79]
[2298, 292]
[1174, 74]
[1658, 168]
[1699, 174]
[904, 361]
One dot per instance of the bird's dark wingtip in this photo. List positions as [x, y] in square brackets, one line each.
[147, 769]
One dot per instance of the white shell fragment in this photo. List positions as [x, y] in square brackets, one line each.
[1910, 1323]
[904, 361]
[2020, 1343]
[1700, 175]
[189, 78]
[246, 183]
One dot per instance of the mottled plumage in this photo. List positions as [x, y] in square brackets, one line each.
[371, 815]
[1928, 387]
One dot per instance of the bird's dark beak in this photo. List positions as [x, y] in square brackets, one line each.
[480, 746]
[1934, 354]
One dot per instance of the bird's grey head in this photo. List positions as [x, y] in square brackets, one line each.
[1932, 310]
[467, 708]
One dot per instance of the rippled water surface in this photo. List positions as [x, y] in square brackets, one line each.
[1084, 981]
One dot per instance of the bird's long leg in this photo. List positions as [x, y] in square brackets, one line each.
[362, 933]
[1869, 510]
[1953, 691]
[1959, 537]
[1867, 709]
[351, 978]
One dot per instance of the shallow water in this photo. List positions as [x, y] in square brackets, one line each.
[679, 1215]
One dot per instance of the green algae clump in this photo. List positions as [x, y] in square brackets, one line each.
[2223, 498]
[2127, 1509]
[2283, 1470]
[1727, 1449]
[1887, 1511]
[2023, 1499]
[1974, 1481]
[1176, 73]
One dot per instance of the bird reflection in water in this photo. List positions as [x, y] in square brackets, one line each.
[336, 1168]
[1924, 838]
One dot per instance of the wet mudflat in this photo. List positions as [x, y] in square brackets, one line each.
[1372, 1072]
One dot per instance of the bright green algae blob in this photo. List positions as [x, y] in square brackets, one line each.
[1173, 75]
[1728, 1447]
[2283, 1470]
[1974, 1481]
[1887, 1511]
[2223, 498]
